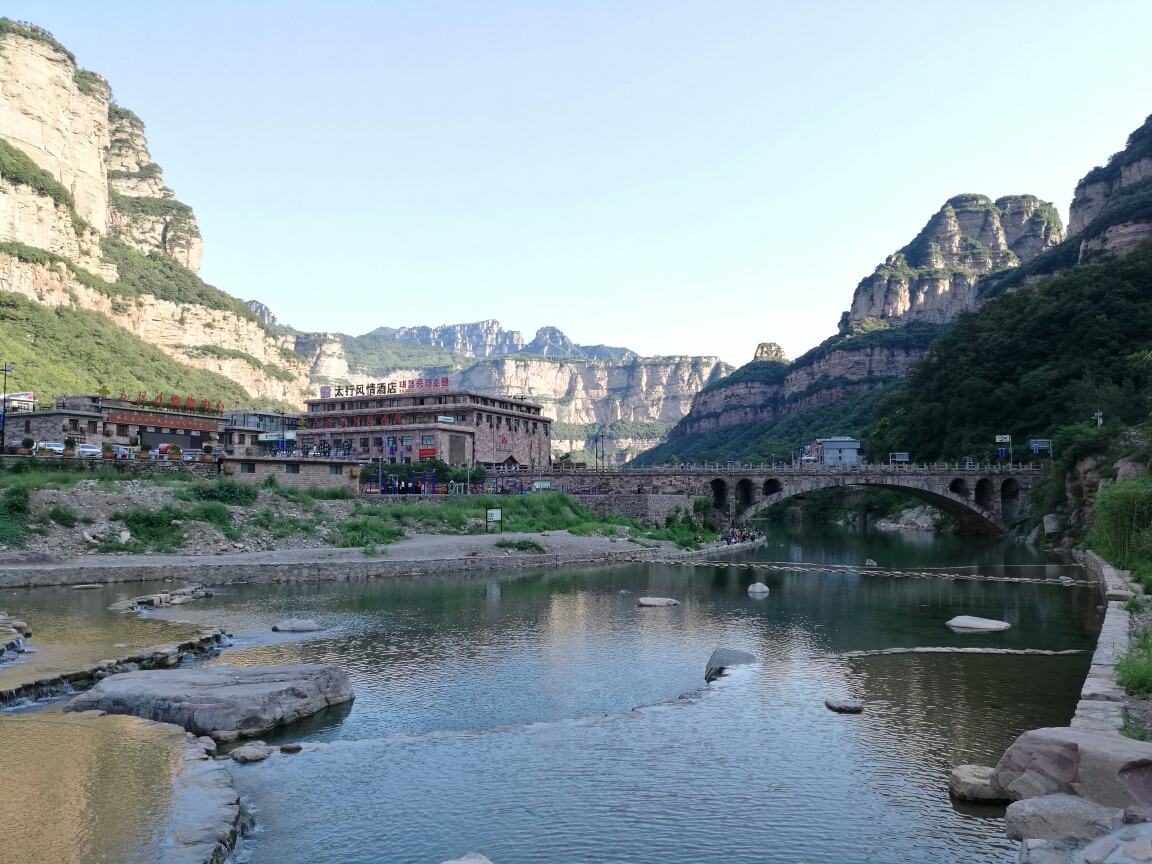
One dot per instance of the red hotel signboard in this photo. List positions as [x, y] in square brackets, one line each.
[162, 420]
[426, 451]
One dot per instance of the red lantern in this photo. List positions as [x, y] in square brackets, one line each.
[219, 408]
[159, 400]
[189, 402]
[174, 401]
[205, 405]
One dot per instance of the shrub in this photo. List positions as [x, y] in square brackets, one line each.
[521, 545]
[1134, 669]
[69, 443]
[368, 532]
[14, 515]
[224, 491]
[62, 516]
[1122, 519]
[27, 443]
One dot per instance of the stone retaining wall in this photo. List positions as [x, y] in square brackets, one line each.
[1101, 704]
[203, 470]
[651, 510]
[225, 569]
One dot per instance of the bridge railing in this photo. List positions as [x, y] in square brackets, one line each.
[875, 469]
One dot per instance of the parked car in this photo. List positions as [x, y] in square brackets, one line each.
[12, 449]
[191, 455]
[55, 446]
[122, 452]
[87, 450]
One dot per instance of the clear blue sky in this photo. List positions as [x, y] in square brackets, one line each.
[680, 178]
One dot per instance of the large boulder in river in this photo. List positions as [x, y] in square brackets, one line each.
[1066, 821]
[722, 658]
[1104, 767]
[224, 702]
[972, 624]
[296, 625]
[657, 601]
[470, 858]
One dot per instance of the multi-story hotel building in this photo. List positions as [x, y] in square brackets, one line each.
[403, 424]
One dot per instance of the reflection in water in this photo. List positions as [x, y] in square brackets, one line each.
[81, 788]
[496, 713]
[73, 630]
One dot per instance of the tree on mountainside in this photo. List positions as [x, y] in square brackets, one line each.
[1028, 363]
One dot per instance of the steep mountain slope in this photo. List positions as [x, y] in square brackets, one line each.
[934, 278]
[1047, 352]
[86, 222]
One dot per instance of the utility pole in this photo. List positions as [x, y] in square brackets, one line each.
[1099, 419]
[8, 367]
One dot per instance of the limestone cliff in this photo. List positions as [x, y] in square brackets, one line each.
[934, 278]
[210, 339]
[86, 220]
[142, 211]
[481, 339]
[1110, 214]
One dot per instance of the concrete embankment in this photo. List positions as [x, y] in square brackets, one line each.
[417, 556]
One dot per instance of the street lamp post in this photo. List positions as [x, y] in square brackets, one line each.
[8, 367]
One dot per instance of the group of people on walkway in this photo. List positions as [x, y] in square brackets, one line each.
[738, 535]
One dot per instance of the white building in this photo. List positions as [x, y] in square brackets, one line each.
[838, 451]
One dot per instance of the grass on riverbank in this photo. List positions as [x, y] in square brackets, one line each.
[1134, 669]
[527, 514]
[163, 530]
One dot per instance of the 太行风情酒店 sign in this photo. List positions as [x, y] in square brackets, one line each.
[383, 388]
[166, 420]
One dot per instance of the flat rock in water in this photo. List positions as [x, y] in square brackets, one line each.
[844, 706]
[969, 622]
[757, 588]
[470, 858]
[224, 702]
[657, 601]
[1067, 820]
[254, 751]
[296, 625]
[973, 783]
[722, 658]
[87, 586]
[291, 748]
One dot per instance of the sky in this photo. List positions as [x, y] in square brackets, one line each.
[673, 177]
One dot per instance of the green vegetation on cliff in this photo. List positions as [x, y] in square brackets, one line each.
[17, 167]
[37, 34]
[851, 414]
[234, 354]
[1028, 363]
[70, 350]
[1138, 146]
[873, 333]
[381, 353]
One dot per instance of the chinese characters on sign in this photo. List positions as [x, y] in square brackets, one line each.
[383, 388]
[187, 403]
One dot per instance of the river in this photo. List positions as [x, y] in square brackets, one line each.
[542, 717]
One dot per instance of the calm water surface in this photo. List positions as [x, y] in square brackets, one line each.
[544, 718]
[547, 719]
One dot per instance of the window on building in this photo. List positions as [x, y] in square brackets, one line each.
[240, 438]
[291, 468]
[377, 442]
[363, 443]
[92, 427]
[419, 401]
[545, 428]
[314, 407]
[534, 424]
[335, 469]
[461, 417]
[122, 430]
[406, 441]
[247, 467]
[427, 440]
[392, 441]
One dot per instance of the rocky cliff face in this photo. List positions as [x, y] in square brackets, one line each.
[209, 339]
[75, 172]
[142, 211]
[934, 278]
[481, 339]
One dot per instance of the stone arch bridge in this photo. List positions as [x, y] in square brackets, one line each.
[984, 499]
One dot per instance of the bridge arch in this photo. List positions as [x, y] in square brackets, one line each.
[745, 492]
[771, 486]
[719, 489]
[984, 492]
[973, 516]
[959, 486]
